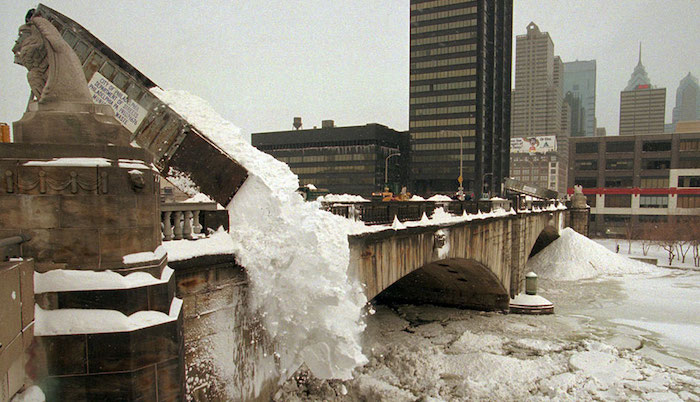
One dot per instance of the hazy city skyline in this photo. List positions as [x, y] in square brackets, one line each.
[347, 61]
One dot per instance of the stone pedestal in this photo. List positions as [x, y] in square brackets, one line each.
[580, 218]
[90, 204]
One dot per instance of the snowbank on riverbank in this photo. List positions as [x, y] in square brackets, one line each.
[295, 255]
[574, 256]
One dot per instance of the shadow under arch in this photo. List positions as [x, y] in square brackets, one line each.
[454, 282]
[545, 238]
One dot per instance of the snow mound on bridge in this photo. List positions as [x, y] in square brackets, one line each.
[295, 255]
[574, 256]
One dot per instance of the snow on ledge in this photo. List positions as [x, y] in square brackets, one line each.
[218, 243]
[341, 198]
[145, 256]
[66, 280]
[84, 162]
[93, 321]
[133, 164]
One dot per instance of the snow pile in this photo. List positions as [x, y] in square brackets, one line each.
[439, 197]
[574, 256]
[341, 198]
[31, 394]
[295, 254]
[67, 280]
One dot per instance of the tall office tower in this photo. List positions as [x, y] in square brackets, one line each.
[540, 120]
[580, 81]
[537, 97]
[460, 94]
[642, 107]
[687, 100]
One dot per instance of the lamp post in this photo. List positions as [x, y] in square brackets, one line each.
[483, 181]
[460, 179]
[386, 168]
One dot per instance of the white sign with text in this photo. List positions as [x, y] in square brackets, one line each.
[128, 113]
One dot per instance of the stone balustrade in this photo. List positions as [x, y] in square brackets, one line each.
[383, 212]
[187, 220]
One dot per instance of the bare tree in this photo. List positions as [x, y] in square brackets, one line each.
[684, 245]
[631, 233]
[647, 236]
[695, 243]
[668, 240]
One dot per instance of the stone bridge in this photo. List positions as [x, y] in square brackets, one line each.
[480, 265]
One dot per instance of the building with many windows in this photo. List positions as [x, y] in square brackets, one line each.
[640, 178]
[459, 94]
[537, 97]
[687, 100]
[578, 87]
[348, 160]
[642, 106]
[540, 120]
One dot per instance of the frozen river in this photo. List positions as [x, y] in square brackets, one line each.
[659, 309]
[612, 338]
[633, 336]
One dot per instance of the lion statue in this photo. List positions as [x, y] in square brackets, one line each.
[55, 72]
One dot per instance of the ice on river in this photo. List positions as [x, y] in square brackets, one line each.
[442, 354]
[628, 332]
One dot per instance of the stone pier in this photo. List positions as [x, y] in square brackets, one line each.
[107, 323]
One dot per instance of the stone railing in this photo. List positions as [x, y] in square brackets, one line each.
[187, 220]
[383, 212]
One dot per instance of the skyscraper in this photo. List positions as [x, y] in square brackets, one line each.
[642, 107]
[540, 119]
[687, 100]
[460, 94]
[537, 97]
[580, 81]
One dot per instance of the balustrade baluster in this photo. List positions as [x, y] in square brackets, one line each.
[187, 225]
[197, 227]
[178, 225]
[167, 226]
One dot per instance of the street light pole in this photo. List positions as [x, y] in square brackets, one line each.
[386, 168]
[483, 181]
[460, 179]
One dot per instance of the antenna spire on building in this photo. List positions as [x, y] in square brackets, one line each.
[640, 52]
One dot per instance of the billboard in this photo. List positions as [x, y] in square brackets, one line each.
[533, 145]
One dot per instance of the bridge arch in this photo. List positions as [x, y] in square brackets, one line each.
[456, 282]
[548, 234]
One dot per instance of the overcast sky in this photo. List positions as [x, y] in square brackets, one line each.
[260, 63]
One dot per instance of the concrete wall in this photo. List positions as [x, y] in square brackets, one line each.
[227, 353]
[480, 265]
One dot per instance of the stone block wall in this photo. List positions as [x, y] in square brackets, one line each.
[79, 215]
[228, 355]
[17, 328]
